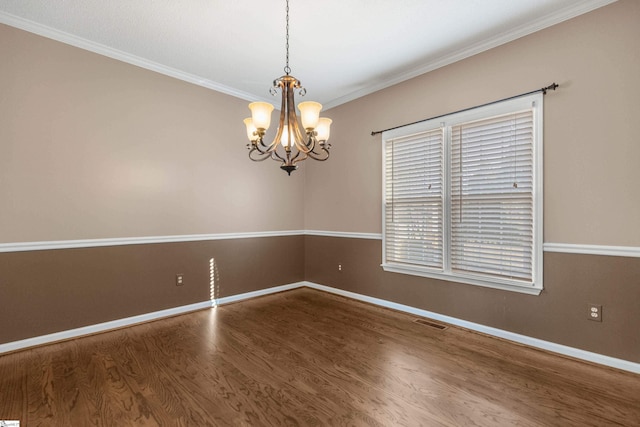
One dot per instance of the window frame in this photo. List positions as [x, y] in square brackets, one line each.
[532, 102]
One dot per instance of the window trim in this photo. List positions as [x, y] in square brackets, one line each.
[535, 102]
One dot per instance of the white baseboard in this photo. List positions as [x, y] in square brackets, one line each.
[130, 321]
[254, 294]
[101, 327]
[511, 336]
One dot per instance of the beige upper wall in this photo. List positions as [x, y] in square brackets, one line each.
[592, 149]
[91, 147]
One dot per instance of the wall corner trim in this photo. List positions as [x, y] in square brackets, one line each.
[101, 327]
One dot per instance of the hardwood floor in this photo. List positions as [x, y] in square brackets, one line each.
[306, 358]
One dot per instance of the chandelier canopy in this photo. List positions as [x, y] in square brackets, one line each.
[291, 145]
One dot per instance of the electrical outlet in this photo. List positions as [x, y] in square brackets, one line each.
[179, 279]
[595, 312]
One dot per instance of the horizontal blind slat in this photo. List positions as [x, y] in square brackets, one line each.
[413, 199]
[491, 200]
[492, 220]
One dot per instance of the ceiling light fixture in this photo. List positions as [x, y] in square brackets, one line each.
[290, 146]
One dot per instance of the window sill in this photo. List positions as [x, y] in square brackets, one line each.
[469, 280]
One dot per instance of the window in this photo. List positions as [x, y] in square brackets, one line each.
[463, 197]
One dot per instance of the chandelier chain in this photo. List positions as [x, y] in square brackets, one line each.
[287, 69]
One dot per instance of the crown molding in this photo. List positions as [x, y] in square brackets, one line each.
[100, 49]
[433, 64]
[482, 46]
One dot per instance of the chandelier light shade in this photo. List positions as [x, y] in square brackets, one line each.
[292, 143]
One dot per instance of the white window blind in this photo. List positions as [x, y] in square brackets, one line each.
[463, 197]
[492, 196]
[413, 222]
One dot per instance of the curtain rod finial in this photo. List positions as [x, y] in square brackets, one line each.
[553, 86]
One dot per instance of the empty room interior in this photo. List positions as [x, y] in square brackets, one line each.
[423, 274]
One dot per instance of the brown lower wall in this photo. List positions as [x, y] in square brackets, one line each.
[558, 314]
[43, 292]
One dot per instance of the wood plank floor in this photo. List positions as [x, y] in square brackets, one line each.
[306, 358]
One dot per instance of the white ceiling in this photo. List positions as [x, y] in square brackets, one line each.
[339, 49]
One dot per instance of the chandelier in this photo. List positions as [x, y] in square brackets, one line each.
[290, 145]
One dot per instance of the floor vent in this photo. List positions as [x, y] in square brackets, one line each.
[430, 324]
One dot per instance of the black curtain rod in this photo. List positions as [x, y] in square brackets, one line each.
[544, 90]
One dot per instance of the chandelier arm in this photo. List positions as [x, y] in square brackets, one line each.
[292, 122]
[299, 152]
[312, 145]
[305, 156]
[301, 145]
[257, 146]
[262, 156]
[311, 141]
[320, 156]
[323, 154]
[288, 82]
[273, 146]
[277, 157]
[274, 150]
[294, 159]
[299, 139]
[262, 147]
[283, 106]
[269, 152]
